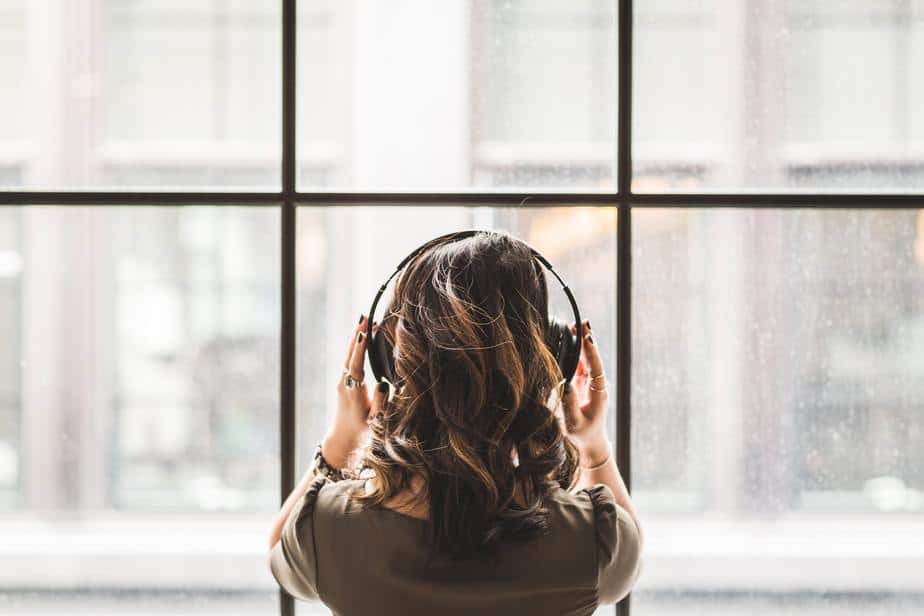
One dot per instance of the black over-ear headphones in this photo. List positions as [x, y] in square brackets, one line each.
[565, 346]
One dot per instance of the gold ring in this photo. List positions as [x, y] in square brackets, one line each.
[595, 389]
[599, 376]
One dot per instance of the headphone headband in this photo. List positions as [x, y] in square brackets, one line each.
[376, 362]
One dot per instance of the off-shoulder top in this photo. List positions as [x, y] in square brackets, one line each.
[373, 561]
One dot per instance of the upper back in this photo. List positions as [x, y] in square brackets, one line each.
[375, 560]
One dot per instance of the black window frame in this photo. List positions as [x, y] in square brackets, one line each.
[289, 198]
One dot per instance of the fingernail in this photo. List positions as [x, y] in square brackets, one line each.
[383, 387]
[361, 317]
[590, 339]
[360, 339]
[588, 324]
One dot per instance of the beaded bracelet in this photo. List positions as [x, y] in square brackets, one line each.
[323, 467]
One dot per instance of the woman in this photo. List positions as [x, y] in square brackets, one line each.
[488, 485]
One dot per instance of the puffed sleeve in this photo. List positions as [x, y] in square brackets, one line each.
[619, 561]
[293, 559]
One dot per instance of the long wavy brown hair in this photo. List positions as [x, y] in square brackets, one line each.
[474, 374]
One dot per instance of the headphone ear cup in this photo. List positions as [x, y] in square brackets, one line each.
[383, 359]
[565, 346]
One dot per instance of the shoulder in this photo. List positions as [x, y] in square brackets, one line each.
[293, 559]
[590, 506]
[618, 543]
[333, 497]
[319, 490]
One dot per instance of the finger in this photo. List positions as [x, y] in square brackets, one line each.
[582, 361]
[580, 384]
[359, 327]
[591, 353]
[581, 372]
[581, 380]
[358, 358]
[582, 367]
[595, 364]
[379, 396]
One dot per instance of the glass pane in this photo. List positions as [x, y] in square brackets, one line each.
[778, 374]
[470, 94]
[791, 95]
[339, 279]
[139, 427]
[159, 94]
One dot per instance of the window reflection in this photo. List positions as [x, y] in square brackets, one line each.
[778, 95]
[481, 93]
[777, 380]
[161, 94]
[139, 405]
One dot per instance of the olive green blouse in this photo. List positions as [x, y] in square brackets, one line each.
[373, 561]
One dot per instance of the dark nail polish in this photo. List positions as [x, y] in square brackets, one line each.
[361, 317]
[590, 339]
[383, 387]
[588, 324]
[360, 338]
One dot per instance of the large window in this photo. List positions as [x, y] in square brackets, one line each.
[197, 200]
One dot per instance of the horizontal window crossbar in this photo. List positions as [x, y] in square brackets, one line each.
[502, 199]
[779, 200]
[116, 198]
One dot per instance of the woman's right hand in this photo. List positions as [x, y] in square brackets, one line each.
[584, 409]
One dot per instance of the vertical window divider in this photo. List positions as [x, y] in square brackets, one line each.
[624, 259]
[288, 221]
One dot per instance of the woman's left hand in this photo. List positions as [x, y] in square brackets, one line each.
[354, 407]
